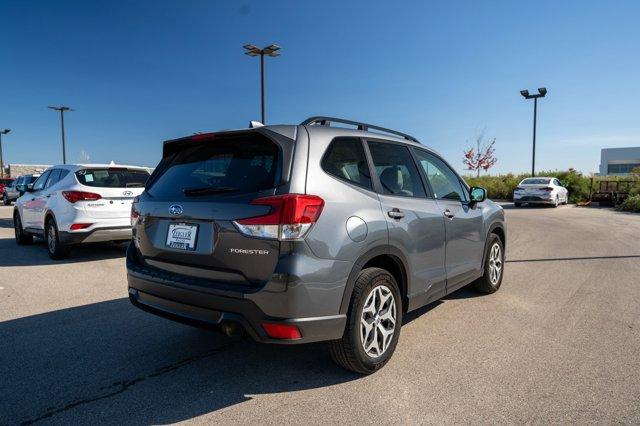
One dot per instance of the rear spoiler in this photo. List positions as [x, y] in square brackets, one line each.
[283, 136]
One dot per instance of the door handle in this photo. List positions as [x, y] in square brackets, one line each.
[395, 213]
[448, 214]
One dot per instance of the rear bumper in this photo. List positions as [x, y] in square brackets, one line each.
[112, 233]
[533, 200]
[156, 294]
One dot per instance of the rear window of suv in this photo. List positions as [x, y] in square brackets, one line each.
[112, 177]
[219, 167]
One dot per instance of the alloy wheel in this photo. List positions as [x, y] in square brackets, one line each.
[378, 321]
[495, 264]
[17, 227]
[51, 238]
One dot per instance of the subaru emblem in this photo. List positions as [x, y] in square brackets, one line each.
[127, 193]
[175, 209]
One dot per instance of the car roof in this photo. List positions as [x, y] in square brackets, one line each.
[96, 166]
[329, 131]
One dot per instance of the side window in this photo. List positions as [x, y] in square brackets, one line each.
[38, 185]
[396, 170]
[345, 159]
[557, 182]
[444, 182]
[54, 177]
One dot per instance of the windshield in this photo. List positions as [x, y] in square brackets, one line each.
[218, 168]
[113, 177]
[535, 181]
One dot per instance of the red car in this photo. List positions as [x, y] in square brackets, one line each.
[4, 182]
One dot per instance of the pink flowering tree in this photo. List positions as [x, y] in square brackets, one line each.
[481, 157]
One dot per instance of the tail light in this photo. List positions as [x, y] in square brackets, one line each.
[290, 218]
[134, 212]
[548, 189]
[75, 196]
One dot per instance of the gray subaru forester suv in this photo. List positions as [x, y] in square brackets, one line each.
[296, 234]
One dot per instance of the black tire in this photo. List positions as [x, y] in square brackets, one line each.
[487, 283]
[517, 205]
[21, 238]
[5, 199]
[55, 248]
[348, 352]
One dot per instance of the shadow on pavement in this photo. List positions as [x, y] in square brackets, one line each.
[6, 223]
[511, 206]
[12, 254]
[560, 259]
[76, 362]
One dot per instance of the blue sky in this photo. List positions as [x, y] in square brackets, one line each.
[138, 73]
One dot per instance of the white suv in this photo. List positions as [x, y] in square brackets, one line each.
[73, 204]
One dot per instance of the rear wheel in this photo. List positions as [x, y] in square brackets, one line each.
[517, 204]
[5, 199]
[21, 237]
[493, 266]
[55, 248]
[556, 201]
[373, 323]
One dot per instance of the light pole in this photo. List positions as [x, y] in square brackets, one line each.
[271, 50]
[62, 109]
[541, 94]
[2, 132]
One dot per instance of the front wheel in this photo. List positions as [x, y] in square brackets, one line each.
[21, 238]
[373, 323]
[493, 266]
[55, 248]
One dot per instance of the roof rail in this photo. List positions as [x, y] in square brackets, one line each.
[326, 121]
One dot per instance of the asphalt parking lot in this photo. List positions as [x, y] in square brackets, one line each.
[560, 342]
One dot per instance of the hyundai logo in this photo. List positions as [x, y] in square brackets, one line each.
[127, 193]
[175, 209]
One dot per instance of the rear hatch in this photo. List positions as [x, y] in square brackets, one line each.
[185, 223]
[535, 186]
[116, 186]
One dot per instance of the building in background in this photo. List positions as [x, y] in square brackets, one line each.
[15, 170]
[619, 161]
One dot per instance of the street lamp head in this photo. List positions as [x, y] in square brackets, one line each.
[271, 48]
[524, 93]
[5, 131]
[252, 50]
[542, 91]
[61, 108]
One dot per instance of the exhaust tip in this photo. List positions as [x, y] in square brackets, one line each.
[231, 329]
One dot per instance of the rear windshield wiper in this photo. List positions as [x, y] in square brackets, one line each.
[195, 192]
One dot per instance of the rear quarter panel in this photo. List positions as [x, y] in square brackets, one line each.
[329, 239]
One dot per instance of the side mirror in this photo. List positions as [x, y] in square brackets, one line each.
[478, 194]
[29, 188]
